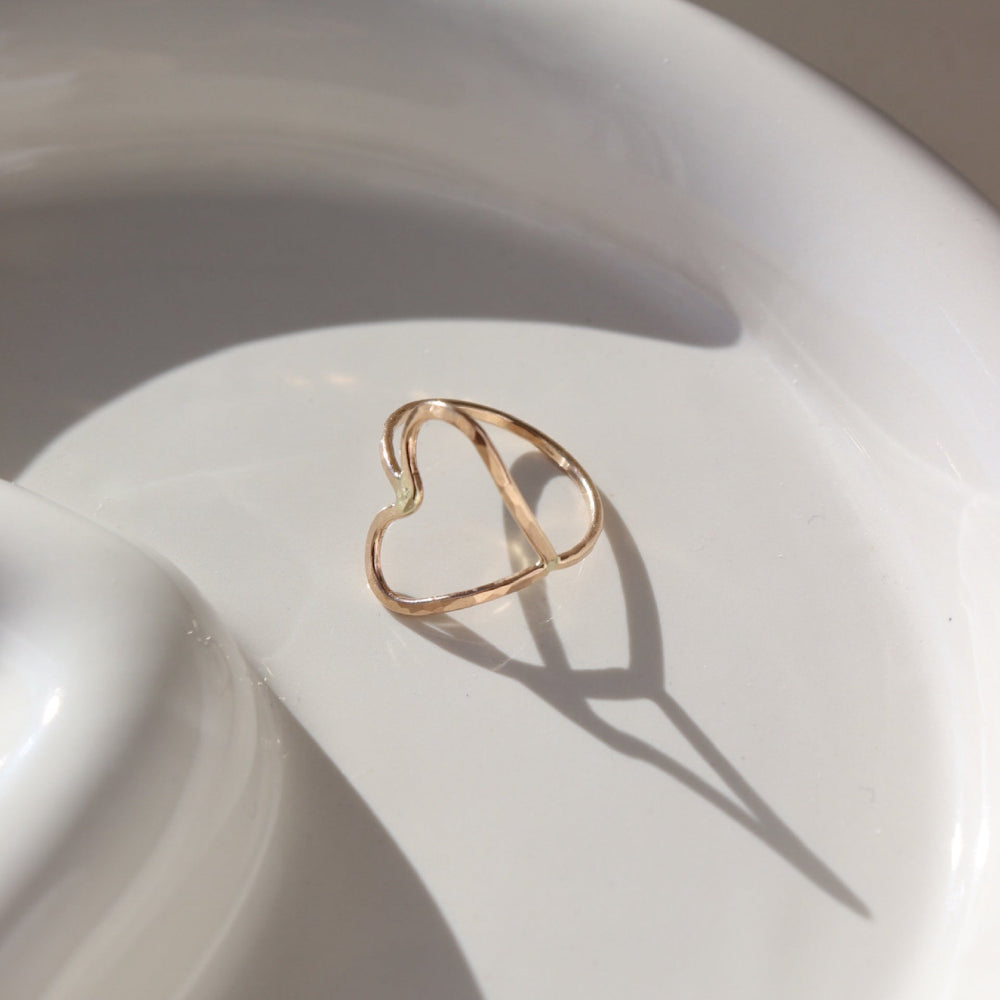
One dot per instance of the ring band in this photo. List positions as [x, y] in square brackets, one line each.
[406, 482]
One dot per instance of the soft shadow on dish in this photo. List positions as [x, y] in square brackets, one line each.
[569, 691]
[341, 912]
[101, 293]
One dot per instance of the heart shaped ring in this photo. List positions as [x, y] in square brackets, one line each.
[405, 480]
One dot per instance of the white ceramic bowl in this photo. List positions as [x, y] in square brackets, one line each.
[752, 747]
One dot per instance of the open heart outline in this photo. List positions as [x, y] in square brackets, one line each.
[404, 477]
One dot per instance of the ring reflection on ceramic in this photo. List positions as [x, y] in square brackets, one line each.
[405, 479]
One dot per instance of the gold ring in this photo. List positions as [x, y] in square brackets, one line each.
[405, 480]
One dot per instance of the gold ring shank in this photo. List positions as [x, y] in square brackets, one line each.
[404, 477]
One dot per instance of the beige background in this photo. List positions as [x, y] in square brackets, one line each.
[931, 65]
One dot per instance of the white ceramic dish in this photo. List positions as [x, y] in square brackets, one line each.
[235, 237]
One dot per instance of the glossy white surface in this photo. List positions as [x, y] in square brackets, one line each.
[930, 66]
[778, 362]
[161, 815]
[135, 758]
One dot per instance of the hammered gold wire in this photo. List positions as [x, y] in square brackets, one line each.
[404, 477]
